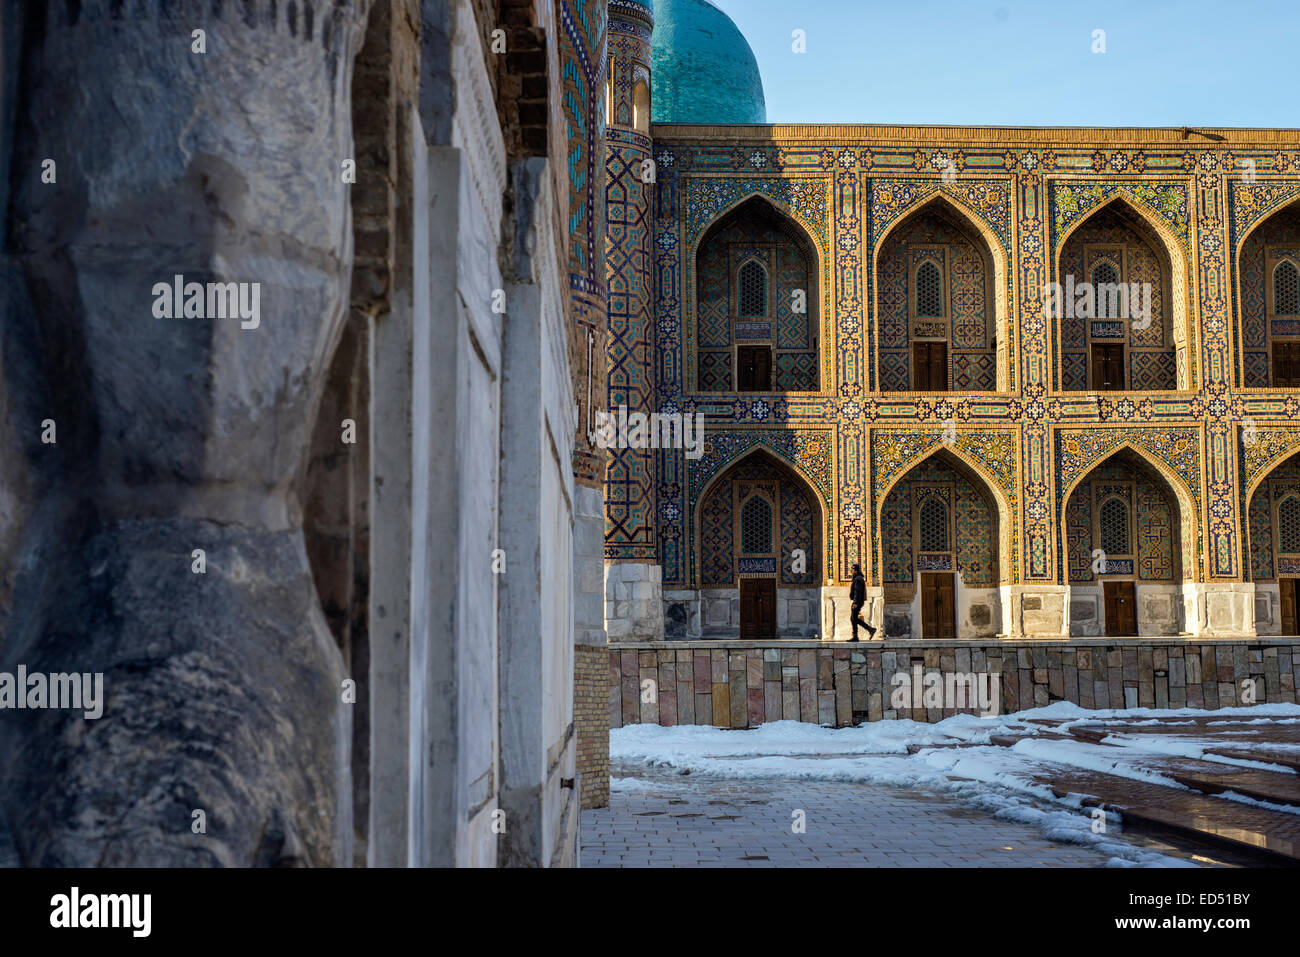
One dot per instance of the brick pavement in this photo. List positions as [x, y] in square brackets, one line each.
[698, 822]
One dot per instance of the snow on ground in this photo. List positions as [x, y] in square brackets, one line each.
[997, 780]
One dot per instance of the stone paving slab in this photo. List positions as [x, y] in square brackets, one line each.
[696, 822]
[1243, 826]
[1199, 812]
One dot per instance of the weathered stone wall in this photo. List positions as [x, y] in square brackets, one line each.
[737, 684]
[634, 608]
[223, 688]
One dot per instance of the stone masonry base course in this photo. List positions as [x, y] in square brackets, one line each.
[742, 684]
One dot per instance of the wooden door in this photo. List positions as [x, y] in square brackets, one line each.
[938, 605]
[755, 368]
[757, 608]
[1288, 589]
[930, 364]
[1107, 367]
[1286, 365]
[1121, 609]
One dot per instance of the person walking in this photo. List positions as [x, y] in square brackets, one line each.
[858, 598]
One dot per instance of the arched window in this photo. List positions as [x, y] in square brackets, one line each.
[929, 291]
[752, 290]
[1286, 289]
[1104, 273]
[934, 526]
[756, 526]
[641, 106]
[1288, 526]
[1113, 520]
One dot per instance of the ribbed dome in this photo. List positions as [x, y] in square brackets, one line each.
[702, 69]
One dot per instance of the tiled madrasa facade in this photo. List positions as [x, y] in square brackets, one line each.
[1074, 499]
[339, 568]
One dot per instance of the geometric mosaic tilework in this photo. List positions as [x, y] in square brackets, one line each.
[1157, 559]
[893, 371]
[798, 530]
[806, 200]
[1152, 364]
[797, 522]
[1177, 450]
[1152, 371]
[1155, 532]
[1263, 448]
[896, 534]
[1261, 535]
[1073, 201]
[796, 372]
[810, 451]
[893, 198]
[994, 451]
[582, 51]
[631, 520]
[1282, 481]
[1078, 536]
[928, 233]
[1278, 230]
[715, 371]
[973, 519]
[1030, 168]
[974, 372]
[717, 538]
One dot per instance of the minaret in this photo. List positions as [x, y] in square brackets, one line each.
[633, 597]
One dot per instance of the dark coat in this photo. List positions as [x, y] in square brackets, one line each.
[858, 590]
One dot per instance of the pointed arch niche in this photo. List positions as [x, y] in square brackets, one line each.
[1128, 535]
[755, 518]
[1121, 346]
[742, 344]
[943, 550]
[940, 303]
[1267, 333]
[1273, 537]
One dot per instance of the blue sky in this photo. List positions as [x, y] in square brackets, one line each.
[1009, 63]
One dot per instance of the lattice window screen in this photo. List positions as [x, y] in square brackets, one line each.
[934, 526]
[1114, 527]
[1104, 272]
[1286, 289]
[756, 526]
[929, 291]
[1288, 525]
[753, 290]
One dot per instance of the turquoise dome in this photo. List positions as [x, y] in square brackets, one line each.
[701, 68]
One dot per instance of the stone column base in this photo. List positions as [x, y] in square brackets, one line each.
[1035, 611]
[1219, 608]
[836, 623]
